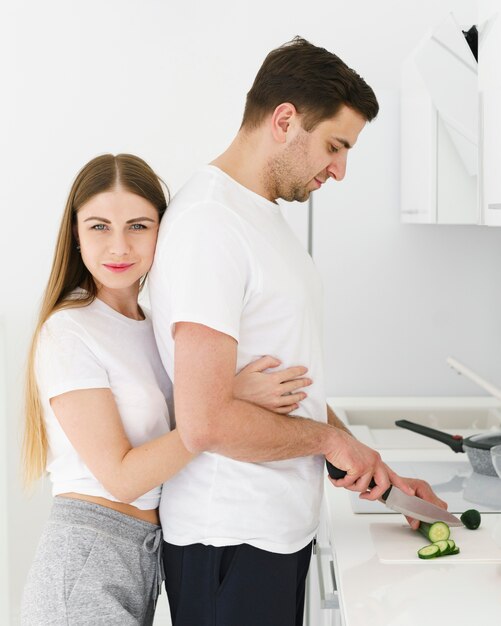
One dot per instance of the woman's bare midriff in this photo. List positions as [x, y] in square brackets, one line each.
[148, 515]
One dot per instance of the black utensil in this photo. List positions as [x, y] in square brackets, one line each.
[477, 447]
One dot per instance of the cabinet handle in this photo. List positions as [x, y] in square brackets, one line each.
[329, 599]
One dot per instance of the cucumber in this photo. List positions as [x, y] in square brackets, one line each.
[437, 531]
[439, 548]
[471, 519]
[429, 552]
[443, 546]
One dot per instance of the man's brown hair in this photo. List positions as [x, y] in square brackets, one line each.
[313, 79]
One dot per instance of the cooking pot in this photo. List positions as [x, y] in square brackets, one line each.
[477, 447]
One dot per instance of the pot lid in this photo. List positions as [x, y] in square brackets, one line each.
[484, 441]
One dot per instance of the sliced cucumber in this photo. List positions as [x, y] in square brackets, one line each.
[437, 531]
[429, 552]
[452, 544]
[435, 550]
[443, 546]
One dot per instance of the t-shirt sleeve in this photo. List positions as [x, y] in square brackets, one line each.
[203, 270]
[65, 361]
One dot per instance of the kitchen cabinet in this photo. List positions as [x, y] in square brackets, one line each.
[439, 130]
[4, 543]
[322, 599]
[489, 78]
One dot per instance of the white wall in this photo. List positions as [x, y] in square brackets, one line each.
[401, 298]
[167, 80]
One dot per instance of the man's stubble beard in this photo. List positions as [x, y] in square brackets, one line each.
[285, 173]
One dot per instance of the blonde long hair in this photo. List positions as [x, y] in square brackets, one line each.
[68, 272]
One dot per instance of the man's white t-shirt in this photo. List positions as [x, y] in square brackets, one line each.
[226, 258]
[95, 347]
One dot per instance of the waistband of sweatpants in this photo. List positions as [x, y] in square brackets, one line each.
[72, 512]
[119, 525]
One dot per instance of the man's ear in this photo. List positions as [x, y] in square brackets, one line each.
[281, 120]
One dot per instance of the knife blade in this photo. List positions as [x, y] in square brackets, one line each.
[396, 500]
[418, 508]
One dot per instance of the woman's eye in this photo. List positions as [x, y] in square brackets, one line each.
[138, 227]
[334, 149]
[98, 227]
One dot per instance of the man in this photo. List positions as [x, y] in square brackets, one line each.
[231, 283]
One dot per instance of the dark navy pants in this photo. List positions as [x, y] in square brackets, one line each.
[235, 585]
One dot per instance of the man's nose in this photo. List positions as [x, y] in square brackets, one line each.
[337, 167]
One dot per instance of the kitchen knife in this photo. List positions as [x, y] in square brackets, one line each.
[398, 501]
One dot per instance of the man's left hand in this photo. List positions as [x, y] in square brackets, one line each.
[422, 490]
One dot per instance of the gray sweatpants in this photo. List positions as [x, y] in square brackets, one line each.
[93, 566]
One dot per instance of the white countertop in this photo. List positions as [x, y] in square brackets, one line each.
[436, 592]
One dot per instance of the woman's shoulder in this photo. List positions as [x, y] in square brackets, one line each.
[72, 316]
[69, 334]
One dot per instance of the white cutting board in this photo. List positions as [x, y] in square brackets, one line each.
[398, 543]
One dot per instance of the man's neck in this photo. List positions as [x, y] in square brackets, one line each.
[243, 162]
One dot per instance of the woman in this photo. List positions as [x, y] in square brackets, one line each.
[96, 406]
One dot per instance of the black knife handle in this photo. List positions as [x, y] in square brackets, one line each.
[336, 474]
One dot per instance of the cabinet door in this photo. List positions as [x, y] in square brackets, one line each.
[457, 190]
[4, 538]
[490, 107]
[439, 130]
[320, 611]
[491, 158]
[418, 148]
[322, 600]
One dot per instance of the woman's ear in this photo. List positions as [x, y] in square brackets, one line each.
[281, 120]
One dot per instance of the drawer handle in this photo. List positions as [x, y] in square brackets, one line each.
[328, 599]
